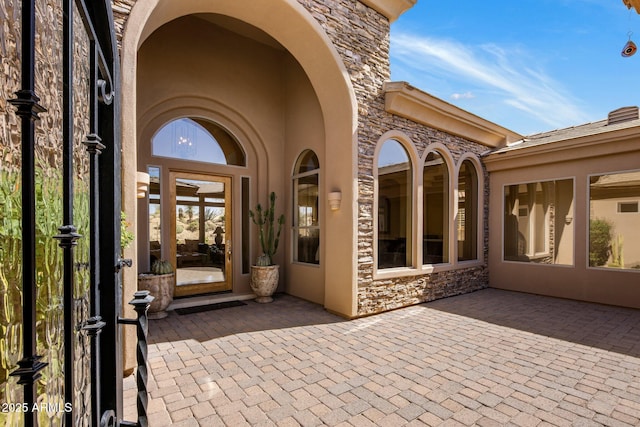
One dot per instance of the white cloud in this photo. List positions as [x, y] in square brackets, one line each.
[504, 73]
[466, 95]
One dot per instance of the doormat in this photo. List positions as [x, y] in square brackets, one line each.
[209, 307]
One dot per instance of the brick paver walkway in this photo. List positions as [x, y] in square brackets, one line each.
[489, 358]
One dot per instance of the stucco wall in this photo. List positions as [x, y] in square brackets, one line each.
[576, 280]
[305, 131]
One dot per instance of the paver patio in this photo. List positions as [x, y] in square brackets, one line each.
[489, 358]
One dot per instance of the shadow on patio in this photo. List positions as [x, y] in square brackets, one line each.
[284, 312]
[605, 327]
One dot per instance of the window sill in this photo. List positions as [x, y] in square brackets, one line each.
[616, 269]
[391, 273]
[305, 264]
[529, 262]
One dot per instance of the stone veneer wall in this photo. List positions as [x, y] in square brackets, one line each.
[121, 11]
[361, 37]
[375, 296]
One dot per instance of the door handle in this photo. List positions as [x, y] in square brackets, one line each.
[228, 246]
[123, 263]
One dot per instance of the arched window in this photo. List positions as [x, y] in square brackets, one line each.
[467, 221]
[306, 222]
[197, 140]
[394, 206]
[435, 190]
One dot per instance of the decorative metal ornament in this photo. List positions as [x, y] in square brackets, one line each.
[629, 48]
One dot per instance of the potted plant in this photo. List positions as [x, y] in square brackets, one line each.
[160, 283]
[265, 274]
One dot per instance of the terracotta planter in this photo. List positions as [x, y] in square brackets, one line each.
[264, 281]
[160, 286]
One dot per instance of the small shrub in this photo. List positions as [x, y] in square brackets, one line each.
[126, 236]
[600, 235]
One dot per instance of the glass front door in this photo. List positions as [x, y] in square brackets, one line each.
[201, 233]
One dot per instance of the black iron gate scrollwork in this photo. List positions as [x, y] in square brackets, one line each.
[60, 193]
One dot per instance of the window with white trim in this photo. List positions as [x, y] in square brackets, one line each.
[394, 189]
[436, 218]
[306, 222]
[467, 220]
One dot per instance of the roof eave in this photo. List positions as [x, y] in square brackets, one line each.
[409, 102]
[632, 4]
[625, 140]
[391, 9]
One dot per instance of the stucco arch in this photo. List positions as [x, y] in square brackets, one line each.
[301, 35]
[284, 20]
[441, 149]
[404, 140]
[475, 161]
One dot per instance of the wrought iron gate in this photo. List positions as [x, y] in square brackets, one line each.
[60, 189]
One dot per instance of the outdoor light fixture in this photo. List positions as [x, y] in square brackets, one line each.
[629, 48]
[334, 198]
[142, 184]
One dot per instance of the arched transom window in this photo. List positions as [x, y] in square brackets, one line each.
[199, 140]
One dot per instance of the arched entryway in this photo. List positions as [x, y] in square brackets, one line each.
[269, 76]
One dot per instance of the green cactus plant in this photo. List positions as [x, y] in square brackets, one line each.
[268, 233]
[263, 260]
[161, 267]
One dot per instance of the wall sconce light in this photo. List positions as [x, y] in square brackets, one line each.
[142, 184]
[334, 198]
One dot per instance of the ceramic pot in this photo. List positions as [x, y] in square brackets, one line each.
[160, 286]
[264, 281]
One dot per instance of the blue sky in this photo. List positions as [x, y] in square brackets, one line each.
[528, 65]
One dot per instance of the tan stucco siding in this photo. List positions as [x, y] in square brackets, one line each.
[191, 58]
[576, 280]
[304, 130]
